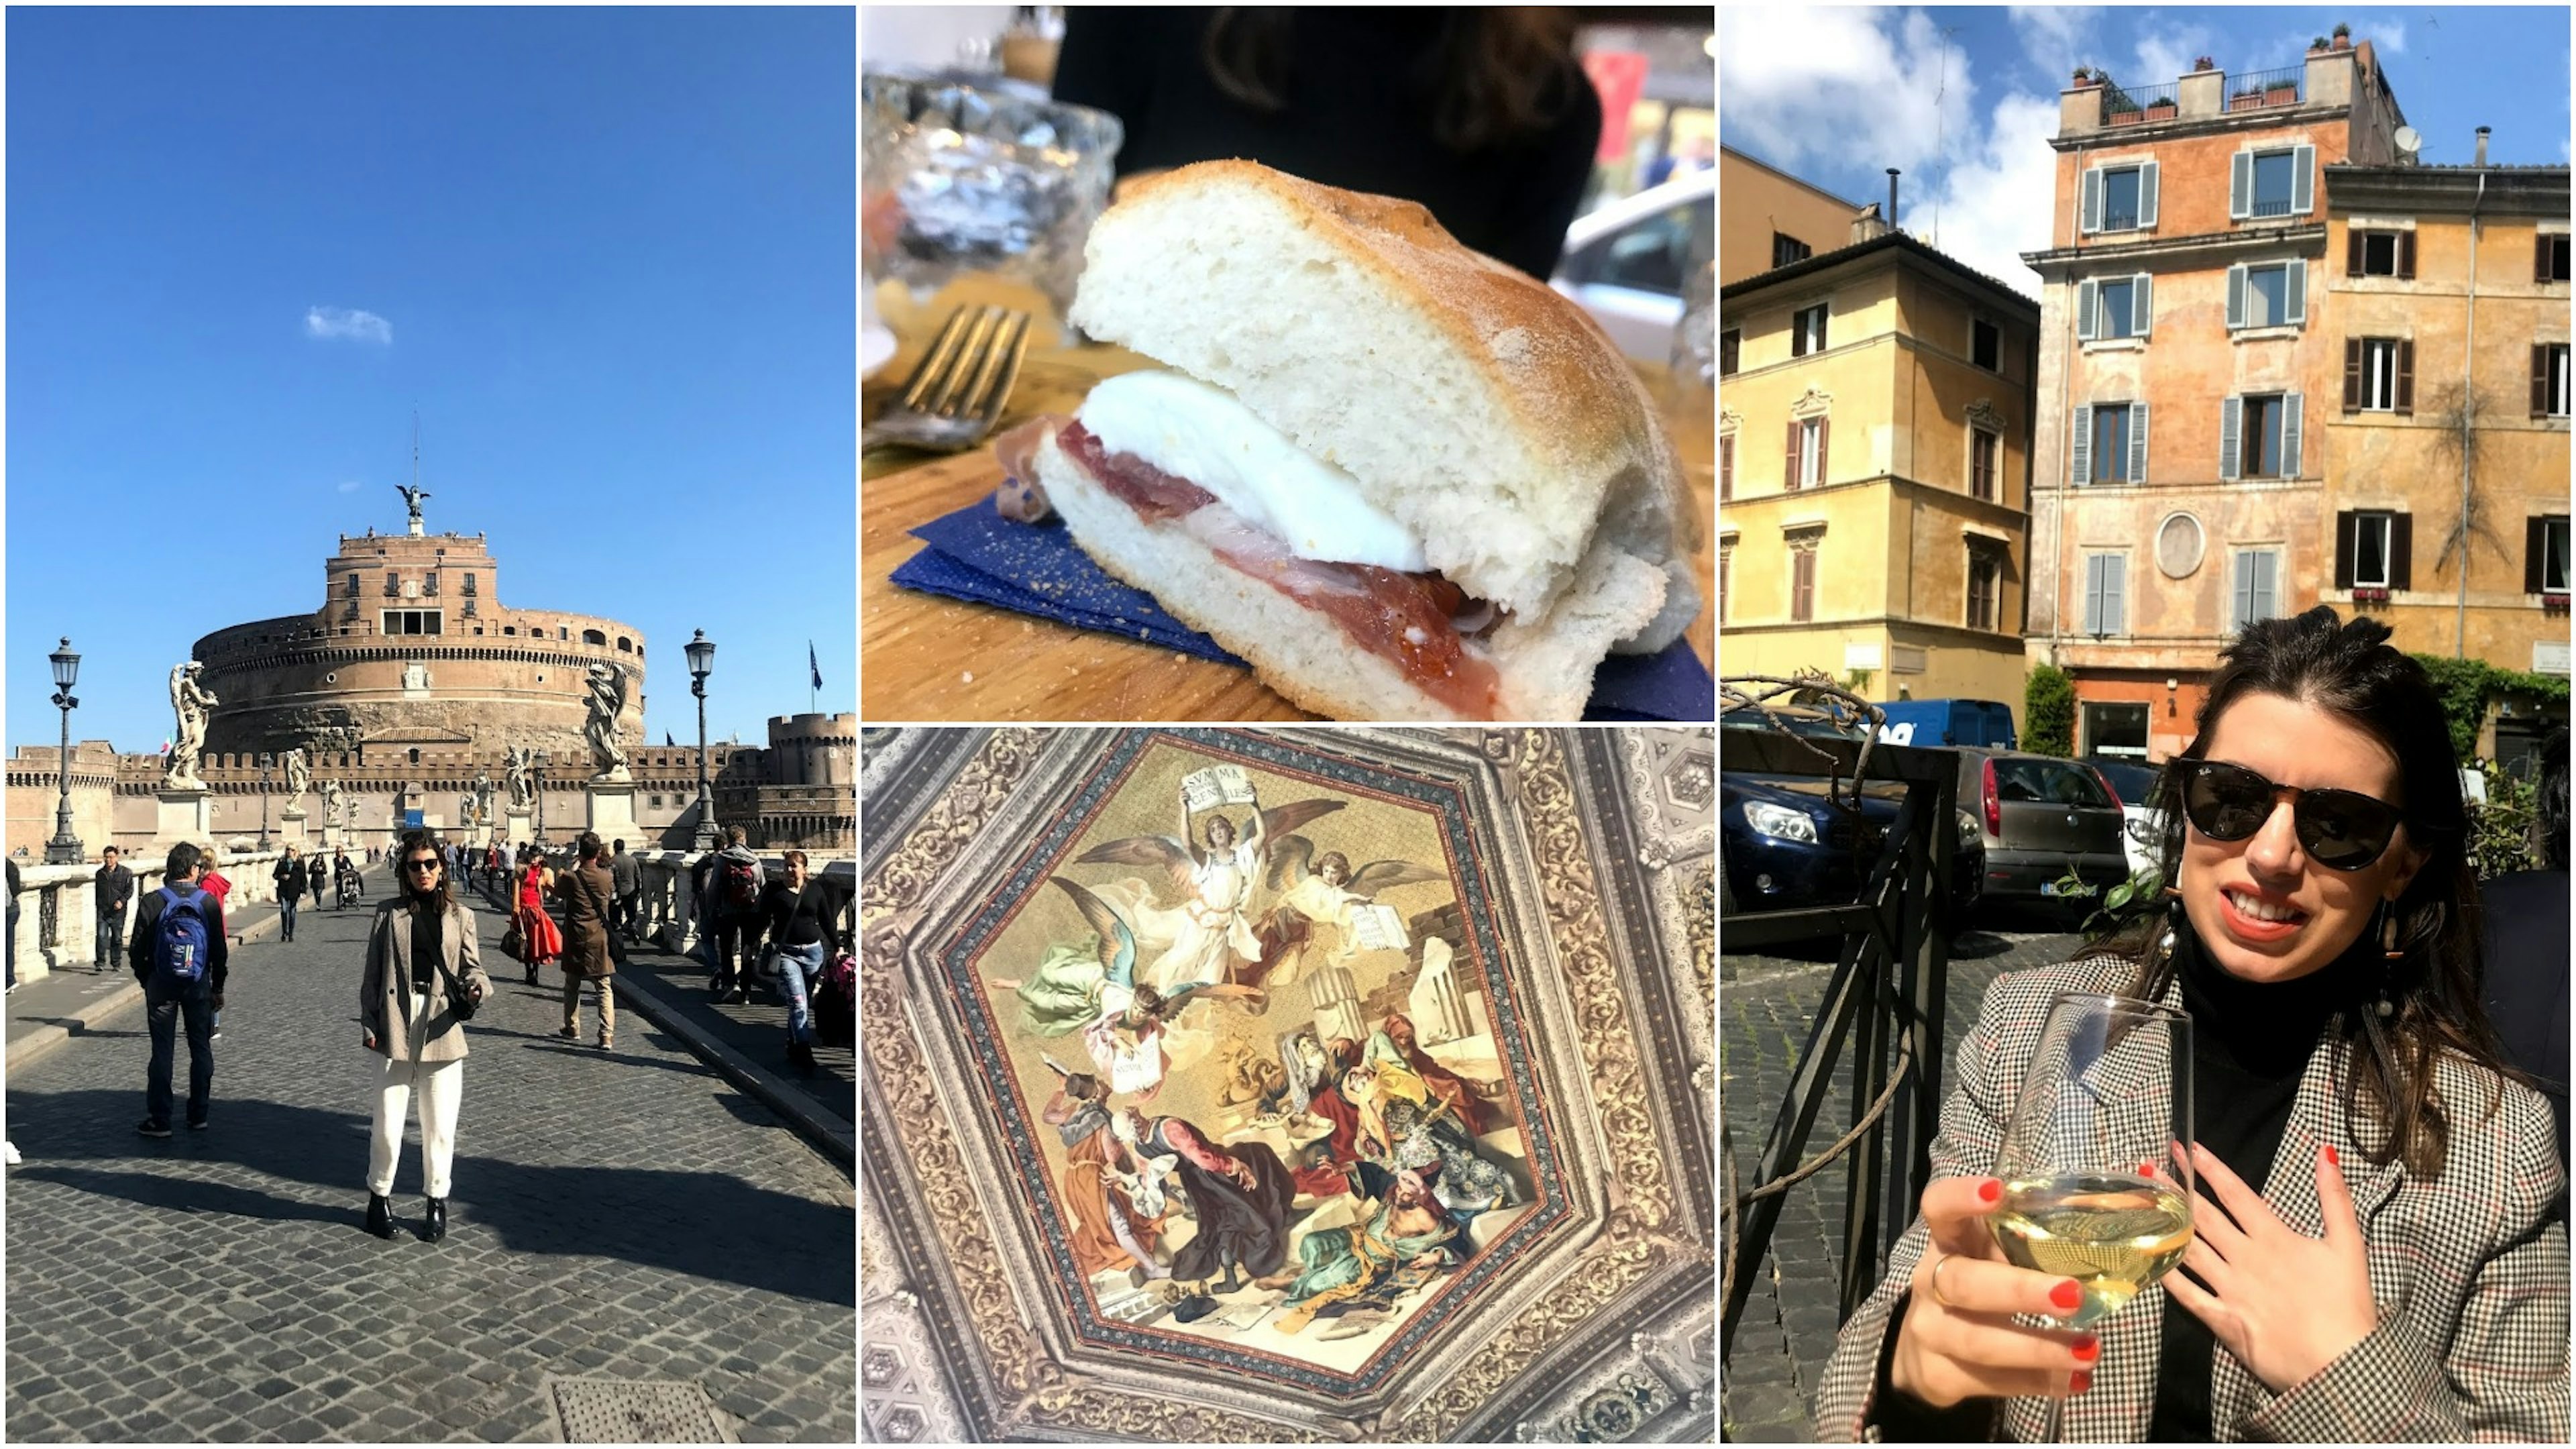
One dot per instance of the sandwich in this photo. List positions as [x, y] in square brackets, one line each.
[1402, 480]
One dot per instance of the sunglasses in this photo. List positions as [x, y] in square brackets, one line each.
[423, 863]
[2339, 829]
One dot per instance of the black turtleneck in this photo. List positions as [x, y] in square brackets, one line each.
[2250, 1044]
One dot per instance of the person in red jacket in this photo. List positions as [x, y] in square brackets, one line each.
[214, 884]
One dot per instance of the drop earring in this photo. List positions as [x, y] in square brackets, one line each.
[2390, 953]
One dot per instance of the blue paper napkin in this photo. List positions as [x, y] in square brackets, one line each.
[976, 555]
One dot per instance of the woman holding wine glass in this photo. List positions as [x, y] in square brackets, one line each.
[2365, 1199]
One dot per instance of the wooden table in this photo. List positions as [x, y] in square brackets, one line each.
[928, 659]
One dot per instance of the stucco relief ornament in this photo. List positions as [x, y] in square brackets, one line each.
[607, 701]
[299, 778]
[189, 702]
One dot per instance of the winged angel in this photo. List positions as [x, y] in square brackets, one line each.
[1089, 986]
[1329, 891]
[1191, 925]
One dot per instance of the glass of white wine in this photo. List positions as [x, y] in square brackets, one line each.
[2096, 1187]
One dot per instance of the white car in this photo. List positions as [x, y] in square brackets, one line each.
[2142, 830]
[1625, 263]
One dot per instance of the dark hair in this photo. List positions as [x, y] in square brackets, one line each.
[108, 850]
[414, 841]
[792, 857]
[618, 845]
[588, 845]
[2549, 812]
[1084, 1087]
[182, 861]
[1492, 73]
[2349, 670]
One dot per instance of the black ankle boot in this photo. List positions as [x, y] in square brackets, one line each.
[380, 1215]
[436, 1226]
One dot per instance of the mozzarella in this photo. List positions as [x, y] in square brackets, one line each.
[1202, 435]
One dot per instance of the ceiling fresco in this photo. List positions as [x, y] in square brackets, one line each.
[1250, 1085]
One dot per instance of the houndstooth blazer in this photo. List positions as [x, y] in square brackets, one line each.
[2469, 1272]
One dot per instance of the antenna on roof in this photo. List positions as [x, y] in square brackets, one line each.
[415, 447]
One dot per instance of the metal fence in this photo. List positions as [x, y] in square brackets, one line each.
[2129, 105]
[1883, 1000]
[2253, 90]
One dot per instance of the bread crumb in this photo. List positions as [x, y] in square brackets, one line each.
[966, 677]
[1512, 344]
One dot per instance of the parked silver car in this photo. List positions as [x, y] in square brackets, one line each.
[2041, 818]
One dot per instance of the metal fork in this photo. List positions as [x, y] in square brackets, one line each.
[956, 392]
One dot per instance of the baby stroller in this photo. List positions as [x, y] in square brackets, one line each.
[351, 889]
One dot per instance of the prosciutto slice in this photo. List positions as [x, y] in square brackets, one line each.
[1411, 620]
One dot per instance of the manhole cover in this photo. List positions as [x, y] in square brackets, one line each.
[635, 1411]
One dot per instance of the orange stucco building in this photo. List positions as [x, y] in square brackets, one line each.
[2188, 364]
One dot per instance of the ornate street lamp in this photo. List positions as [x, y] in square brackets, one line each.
[537, 782]
[266, 760]
[65, 847]
[702, 662]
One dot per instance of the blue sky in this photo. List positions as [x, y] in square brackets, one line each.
[1963, 99]
[608, 255]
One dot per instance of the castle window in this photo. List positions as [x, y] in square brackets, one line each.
[469, 586]
[625, 645]
[393, 585]
[414, 621]
[511, 630]
[593, 636]
[415, 757]
[353, 585]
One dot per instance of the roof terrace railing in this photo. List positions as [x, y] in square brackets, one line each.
[2255, 90]
[2131, 105]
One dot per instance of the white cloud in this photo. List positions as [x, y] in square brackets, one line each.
[2166, 56]
[1808, 85]
[2386, 37]
[2054, 36]
[350, 487]
[1998, 198]
[327, 323]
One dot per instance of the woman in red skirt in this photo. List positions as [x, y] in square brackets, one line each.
[540, 941]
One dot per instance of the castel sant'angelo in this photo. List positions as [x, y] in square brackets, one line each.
[409, 689]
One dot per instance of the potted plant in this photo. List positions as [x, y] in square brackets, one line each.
[2342, 36]
[2317, 45]
[2161, 109]
[2084, 77]
[2282, 92]
[2248, 99]
[2202, 63]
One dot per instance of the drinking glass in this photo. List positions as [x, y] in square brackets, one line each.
[962, 178]
[2097, 1187]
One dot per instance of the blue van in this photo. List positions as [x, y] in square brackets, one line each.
[1932, 723]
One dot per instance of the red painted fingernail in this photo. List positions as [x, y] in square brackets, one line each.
[1990, 1189]
[2066, 1294]
[2083, 1380]
[2087, 1350]
[2146, 1169]
[2330, 1156]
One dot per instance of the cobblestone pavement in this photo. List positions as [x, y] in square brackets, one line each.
[625, 1216]
[1767, 1004]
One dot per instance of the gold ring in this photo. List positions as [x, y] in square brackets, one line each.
[1934, 1280]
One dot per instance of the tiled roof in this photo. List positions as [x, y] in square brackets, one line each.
[1893, 239]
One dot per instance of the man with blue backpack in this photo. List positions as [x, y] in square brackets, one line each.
[179, 954]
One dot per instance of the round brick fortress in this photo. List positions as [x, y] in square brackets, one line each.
[413, 647]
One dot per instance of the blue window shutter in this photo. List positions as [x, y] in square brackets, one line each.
[2231, 428]
[2240, 185]
[2147, 195]
[2080, 471]
[2236, 296]
[2142, 305]
[2091, 218]
[2084, 304]
[2290, 436]
[2137, 442]
[2297, 288]
[2303, 180]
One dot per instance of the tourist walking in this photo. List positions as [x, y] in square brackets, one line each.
[319, 877]
[803, 916]
[584, 888]
[424, 976]
[539, 942]
[215, 883]
[733, 887]
[113, 886]
[289, 876]
[178, 953]
[9, 961]
[628, 872]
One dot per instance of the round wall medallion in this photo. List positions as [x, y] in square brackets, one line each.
[2180, 542]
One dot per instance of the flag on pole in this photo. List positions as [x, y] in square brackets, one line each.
[812, 666]
[667, 741]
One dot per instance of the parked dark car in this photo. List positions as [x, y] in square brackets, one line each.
[1784, 843]
[2040, 817]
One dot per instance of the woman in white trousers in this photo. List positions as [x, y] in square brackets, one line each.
[420, 951]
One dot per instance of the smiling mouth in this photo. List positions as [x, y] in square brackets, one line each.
[2255, 908]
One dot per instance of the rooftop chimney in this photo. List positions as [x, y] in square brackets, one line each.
[2482, 144]
[1891, 197]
